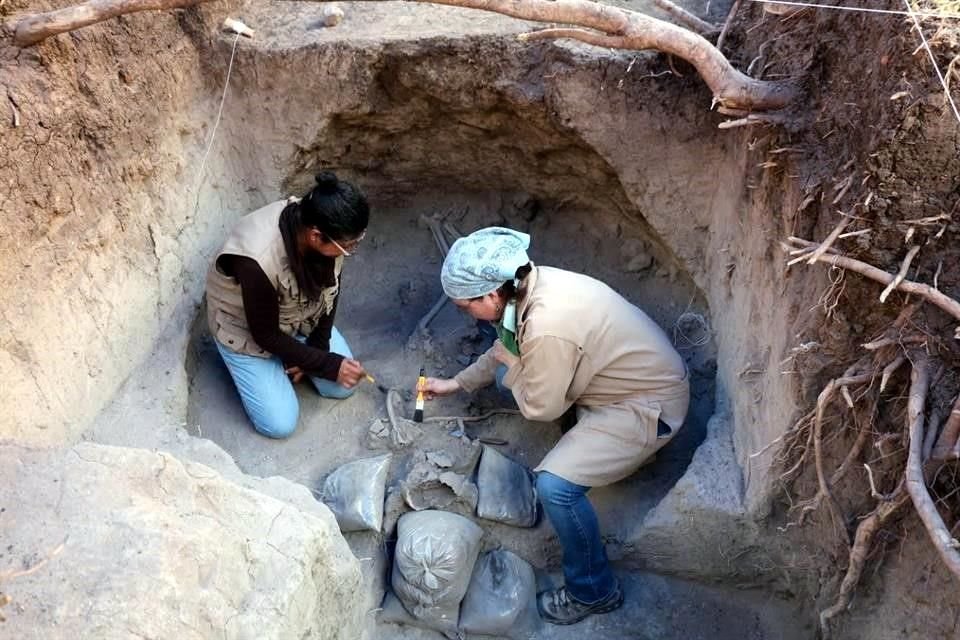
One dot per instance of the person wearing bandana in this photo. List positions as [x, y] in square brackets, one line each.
[566, 340]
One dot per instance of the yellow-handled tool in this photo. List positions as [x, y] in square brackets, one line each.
[421, 383]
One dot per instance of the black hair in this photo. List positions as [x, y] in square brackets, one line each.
[337, 209]
[508, 290]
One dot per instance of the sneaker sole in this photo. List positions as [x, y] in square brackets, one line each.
[607, 608]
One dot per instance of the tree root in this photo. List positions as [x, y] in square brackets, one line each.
[599, 24]
[437, 230]
[836, 512]
[889, 352]
[862, 543]
[943, 542]
[693, 22]
[947, 442]
[925, 291]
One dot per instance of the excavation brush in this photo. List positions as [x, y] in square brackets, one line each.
[421, 382]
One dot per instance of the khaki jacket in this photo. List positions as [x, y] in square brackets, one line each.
[257, 236]
[583, 344]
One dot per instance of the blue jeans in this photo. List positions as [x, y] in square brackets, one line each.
[586, 569]
[267, 393]
[501, 374]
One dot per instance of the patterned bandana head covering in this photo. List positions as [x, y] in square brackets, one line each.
[483, 261]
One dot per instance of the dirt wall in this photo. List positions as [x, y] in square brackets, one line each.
[100, 245]
[426, 105]
[105, 245]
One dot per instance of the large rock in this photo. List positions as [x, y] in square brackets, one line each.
[156, 548]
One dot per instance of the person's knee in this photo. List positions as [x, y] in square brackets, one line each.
[280, 422]
[554, 490]
[338, 392]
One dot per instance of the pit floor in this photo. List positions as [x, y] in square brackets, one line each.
[387, 288]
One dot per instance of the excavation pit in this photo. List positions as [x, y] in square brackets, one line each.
[389, 286]
[616, 170]
[435, 138]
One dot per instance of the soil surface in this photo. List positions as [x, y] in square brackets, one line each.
[611, 161]
[379, 314]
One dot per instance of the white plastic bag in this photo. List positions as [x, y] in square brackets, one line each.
[432, 565]
[355, 492]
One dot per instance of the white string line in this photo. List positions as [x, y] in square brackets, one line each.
[922, 14]
[933, 60]
[216, 123]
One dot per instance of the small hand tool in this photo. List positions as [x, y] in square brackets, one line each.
[421, 382]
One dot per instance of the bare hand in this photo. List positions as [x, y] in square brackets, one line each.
[433, 387]
[296, 374]
[351, 372]
[503, 356]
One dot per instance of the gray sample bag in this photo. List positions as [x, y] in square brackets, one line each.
[506, 489]
[355, 492]
[432, 565]
[501, 598]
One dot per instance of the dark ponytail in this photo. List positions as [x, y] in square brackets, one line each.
[509, 291]
[337, 209]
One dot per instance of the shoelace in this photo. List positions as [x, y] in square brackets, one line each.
[561, 599]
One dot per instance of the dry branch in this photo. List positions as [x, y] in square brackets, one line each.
[944, 543]
[617, 27]
[925, 291]
[901, 275]
[35, 28]
[693, 22]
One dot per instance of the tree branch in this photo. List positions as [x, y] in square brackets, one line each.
[638, 31]
[595, 38]
[687, 18]
[35, 28]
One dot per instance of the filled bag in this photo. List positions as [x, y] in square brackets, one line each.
[506, 490]
[432, 565]
[355, 492]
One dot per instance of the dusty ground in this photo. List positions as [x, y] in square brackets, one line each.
[378, 320]
[430, 109]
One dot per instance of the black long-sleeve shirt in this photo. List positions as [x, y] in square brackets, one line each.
[263, 318]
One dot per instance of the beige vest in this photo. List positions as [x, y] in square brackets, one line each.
[257, 236]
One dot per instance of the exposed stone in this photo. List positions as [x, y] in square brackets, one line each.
[157, 548]
[701, 522]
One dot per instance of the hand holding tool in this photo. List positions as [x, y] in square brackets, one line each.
[421, 381]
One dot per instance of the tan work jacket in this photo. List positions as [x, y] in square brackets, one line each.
[582, 343]
[257, 236]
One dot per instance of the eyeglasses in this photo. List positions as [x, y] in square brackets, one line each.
[352, 244]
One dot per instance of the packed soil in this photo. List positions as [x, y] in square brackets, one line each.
[379, 317]
[611, 160]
